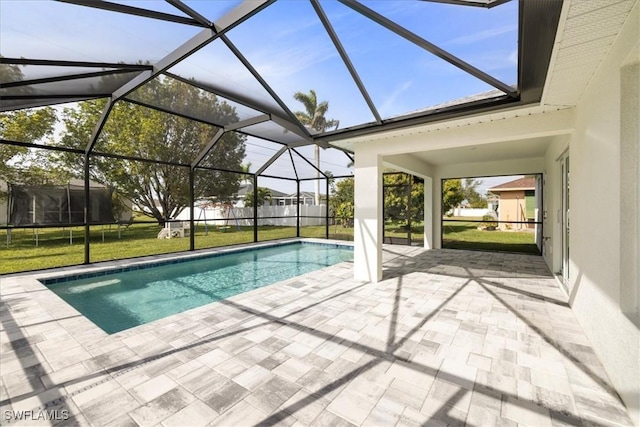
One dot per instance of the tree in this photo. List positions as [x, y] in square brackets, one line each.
[314, 118]
[471, 195]
[452, 194]
[397, 205]
[264, 196]
[160, 190]
[341, 202]
[314, 114]
[32, 125]
[18, 164]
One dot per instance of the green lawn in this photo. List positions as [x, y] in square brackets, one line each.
[465, 235]
[54, 248]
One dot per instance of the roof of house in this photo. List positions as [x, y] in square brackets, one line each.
[305, 195]
[248, 187]
[526, 183]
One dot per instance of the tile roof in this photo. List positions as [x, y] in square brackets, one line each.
[526, 183]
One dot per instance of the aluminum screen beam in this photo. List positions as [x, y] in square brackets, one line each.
[98, 128]
[56, 96]
[208, 148]
[40, 146]
[189, 11]
[168, 111]
[265, 85]
[56, 63]
[43, 101]
[292, 127]
[194, 44]
[305, 143]
[220, 133]
[430, 47]
[247, 102]
[295, 171]
[131, 10]
[63, 78]
[248, 122]
[261, 107]
[271, 160]
[487, 4]
[242, 12]
[197, 42]
[448, 113]
[345, 58]
[312, 165]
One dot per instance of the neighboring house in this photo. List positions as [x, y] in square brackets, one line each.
[307, 198]
[516, 202]
[247, 187]
[278, 198]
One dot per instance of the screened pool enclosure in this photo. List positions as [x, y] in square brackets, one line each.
[179, 106]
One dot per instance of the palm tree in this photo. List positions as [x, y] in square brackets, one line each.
[264, 196]
[314, 118]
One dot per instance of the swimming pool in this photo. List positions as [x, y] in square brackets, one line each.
[136, 295]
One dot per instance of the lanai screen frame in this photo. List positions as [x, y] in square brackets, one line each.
[537, 25]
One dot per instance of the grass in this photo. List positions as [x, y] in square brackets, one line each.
[397, 233]
[140, 239]
[465, 235]
[55, 250]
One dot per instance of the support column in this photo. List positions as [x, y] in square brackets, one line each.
[436, 212]
[255, 208]
[192, 201]
[630, 192]
[428, 213]
[298, 208]
[87, 209]
[368, 217]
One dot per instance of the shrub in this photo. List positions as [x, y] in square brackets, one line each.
[490, 223]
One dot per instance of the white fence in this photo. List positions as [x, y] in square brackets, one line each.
[470, 211]
[267, 215]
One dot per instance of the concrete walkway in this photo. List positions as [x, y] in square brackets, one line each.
[447, 338]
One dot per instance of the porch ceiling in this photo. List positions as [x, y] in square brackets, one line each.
[499, 151]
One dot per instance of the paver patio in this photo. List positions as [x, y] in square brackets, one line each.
[448, 337]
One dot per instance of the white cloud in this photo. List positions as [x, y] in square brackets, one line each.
[291, 60]
[388, 106]
[483, 35]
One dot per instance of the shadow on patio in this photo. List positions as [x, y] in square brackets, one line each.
[447, 338]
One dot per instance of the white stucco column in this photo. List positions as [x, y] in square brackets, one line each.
[436, 212]
[428, 213]
[367, 235]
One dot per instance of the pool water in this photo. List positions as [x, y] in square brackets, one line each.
[120, 301]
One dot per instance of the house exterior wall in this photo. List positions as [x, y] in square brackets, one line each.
[602, 142]
[596, 238]
[512, 207]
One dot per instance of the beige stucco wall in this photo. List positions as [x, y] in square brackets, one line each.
[512, 207]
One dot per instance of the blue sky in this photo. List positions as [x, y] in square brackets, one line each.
[288, 45]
